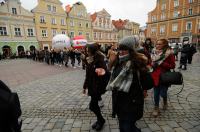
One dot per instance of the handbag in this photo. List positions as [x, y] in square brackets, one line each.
[171, 78]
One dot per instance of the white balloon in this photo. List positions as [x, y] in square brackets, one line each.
[61, 41]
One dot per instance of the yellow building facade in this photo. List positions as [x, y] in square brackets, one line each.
[50, 19]
[78, 21]
[175, 20]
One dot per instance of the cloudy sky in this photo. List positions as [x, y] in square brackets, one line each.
[134, 10]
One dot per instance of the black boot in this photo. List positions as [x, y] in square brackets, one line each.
[180, 67]
[99, 124]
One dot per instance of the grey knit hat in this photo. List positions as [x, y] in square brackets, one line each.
[129, 43]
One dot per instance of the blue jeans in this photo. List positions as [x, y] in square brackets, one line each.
[127, 124]
[160, 90]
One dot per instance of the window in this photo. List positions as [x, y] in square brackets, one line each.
[80, 33]
[153, 18]
[71, 34]
[71, 23]
[42, 19]
[189, 26]
[14, 11]
[176, 13]
[162, 29]
[53, 21]
[49, 7]
[44, 33]
[54, 32]
[87, 25]
[62, 21]
[163, 6]
[3, 31]
[190, 12]
[80, 24]
[190, 1]
[88, 36]
[17, 32]
[176, 3]
[174, 27]
[30, 32]
[162, 17]
[95, 35]
[54, 9]
[63, 32]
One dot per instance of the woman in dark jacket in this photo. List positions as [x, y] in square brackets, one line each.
[125, 79]
[94, 81]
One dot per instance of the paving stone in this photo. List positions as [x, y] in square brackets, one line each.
[172, 124]
[154, 127]
[179, 129]
[69, 121]
[186, 125]
[76, 130]
[166, 128]
[67, 127]
[49, 126]
[38, 129]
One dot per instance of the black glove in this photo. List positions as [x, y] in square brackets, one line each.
[155, 65]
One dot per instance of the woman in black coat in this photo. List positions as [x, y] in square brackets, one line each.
[94, 81]
[125, 79]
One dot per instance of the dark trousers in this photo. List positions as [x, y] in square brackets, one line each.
[94, 107]
[160, 90]
[127, 124]
[114, 102]
[189, 59]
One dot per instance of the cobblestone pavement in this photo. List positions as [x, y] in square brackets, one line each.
[52, 101]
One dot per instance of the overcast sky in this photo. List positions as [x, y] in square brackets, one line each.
[134, 10]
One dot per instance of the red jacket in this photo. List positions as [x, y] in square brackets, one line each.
[168, 63]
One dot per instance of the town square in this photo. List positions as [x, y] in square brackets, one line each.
[47, 52]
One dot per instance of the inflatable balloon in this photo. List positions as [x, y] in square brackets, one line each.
[79, 42]
[60, 41]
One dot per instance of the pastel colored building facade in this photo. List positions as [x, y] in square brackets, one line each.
[175, 20]
[17, 29]
[104, 31]
[78, 21]
[50, 19]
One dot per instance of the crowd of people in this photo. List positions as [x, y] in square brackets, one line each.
[128, 62]
[122, 70]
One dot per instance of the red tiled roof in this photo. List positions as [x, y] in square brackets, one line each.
[93, 16]
[67, 8]
[119, 24]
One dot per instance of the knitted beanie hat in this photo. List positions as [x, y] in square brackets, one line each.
[129, 43]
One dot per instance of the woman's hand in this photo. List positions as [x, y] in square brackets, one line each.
[100, 71]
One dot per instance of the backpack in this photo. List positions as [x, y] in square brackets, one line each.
[10, 110]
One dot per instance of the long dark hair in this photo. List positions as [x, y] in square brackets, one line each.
[138, 61]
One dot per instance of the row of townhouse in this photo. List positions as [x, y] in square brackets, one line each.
[23, 30]
[175, 20]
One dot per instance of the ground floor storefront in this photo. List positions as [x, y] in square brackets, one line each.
[16, 48]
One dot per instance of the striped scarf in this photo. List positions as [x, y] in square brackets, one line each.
[123, 81]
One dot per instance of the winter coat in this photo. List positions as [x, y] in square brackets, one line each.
[184, 53]
[94, 83]
[166, 65]
[131, 102]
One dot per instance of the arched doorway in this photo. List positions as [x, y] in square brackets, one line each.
[32, 48]
[20, 50]
[6, 51]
